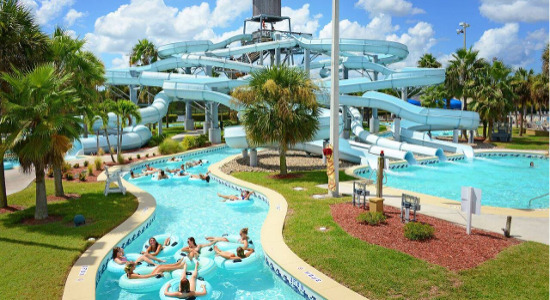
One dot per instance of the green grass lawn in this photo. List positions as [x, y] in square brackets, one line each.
[519, 272]
[171, 131]
[36, 258]
[526, 142]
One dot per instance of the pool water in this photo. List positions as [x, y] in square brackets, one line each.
[193, 209]
[504, 181]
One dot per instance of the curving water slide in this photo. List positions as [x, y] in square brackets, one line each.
[185, 87]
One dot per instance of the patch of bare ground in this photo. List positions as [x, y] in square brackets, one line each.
[49, 219]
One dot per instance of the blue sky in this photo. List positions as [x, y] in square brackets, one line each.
[512, 30]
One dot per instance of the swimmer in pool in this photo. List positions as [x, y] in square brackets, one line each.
[245, 195]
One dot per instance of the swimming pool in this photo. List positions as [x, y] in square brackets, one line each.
[505, 180]
[193, 209]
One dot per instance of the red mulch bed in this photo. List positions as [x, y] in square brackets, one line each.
[53, 198]
[451, 247]
[11, 208]
[49, 219]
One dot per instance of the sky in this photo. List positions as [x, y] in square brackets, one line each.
[515, 31]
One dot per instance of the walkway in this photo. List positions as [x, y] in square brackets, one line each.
[528, 225]
[17, 181]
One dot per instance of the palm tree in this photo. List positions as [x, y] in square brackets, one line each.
[428, 61]
[22, 45]
[280, 107]
[100, 113]
[493, 95]
[432, 95]
[461, 74]
[144, 53]
[125, 110]
[69, 57]
[545, 57]
[522, 88]
[38, 102]
[539, 92]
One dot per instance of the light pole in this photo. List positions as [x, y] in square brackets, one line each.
[335, 91]
[464, 25]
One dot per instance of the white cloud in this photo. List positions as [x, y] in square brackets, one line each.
[376, 29]
[120, 62]
[418, 39]
[71, 16]
[506, 44]
[50, 9]
[507, 11]
[119, 30]
[302, 21]
[32, 5]
[391, 7]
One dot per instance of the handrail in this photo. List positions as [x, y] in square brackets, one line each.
[537, 198]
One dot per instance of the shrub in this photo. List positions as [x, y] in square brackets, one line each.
[112, 150]
[130, 158]
[49, 173]
[415, 231]
[69, 176]
[90, 170]
[138, 156]
[76, 166]
[66, 167]
[98, 163]
[156, 140]
[100, 151]
[371, 218]
[169, 146]
[86, 163]
[147, 155]
[154, 154]
[189, 142]
[82, 176]
[120, 158]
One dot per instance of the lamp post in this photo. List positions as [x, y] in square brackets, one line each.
[464, 25]
[335, 91]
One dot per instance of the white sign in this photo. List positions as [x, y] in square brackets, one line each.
[470, 204]
[83, 270]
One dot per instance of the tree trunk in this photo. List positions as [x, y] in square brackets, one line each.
[109, 145]
[3, 196]
[490, 130]
[522, 116]
[516, 114]
[118, 133]
[282, 161]
[485, 130]
[97, 141]
[465, 107]
[85, 130]
[58, 181]
[41, 209]
[532, 111]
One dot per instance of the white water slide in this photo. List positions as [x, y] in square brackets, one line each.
[185, 87]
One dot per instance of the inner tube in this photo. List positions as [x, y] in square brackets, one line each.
[175, 284]
[117, 269]
[156, 175]
[167, 251]
[204, 252]
[178, 177]
[239, 265]
[207, 267]
[235, 239]
[198, 181]
[143, 285]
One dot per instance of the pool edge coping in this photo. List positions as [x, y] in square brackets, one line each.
[485, 209]
[80, 286]
[277, 250]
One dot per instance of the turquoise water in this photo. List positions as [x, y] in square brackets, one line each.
[186, 209]
[504, 181]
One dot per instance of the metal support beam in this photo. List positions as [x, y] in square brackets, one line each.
[189, 122]
[335, 93]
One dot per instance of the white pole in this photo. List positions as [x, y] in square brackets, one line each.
[335, 91]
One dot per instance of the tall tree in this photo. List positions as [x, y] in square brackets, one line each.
[280, 108]
[38, 101]
[432, 96]
[493, 95]
[126, 112]
[428, 61]
[144, 53]
[69, 57]
[22, 45]
[522, 88]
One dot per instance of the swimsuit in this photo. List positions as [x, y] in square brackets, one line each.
[123, 259]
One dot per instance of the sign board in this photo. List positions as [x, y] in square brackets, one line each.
[471, 203]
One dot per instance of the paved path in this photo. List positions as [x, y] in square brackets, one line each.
[523, 227]
[17, 180]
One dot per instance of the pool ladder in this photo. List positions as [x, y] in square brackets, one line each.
[537, 198]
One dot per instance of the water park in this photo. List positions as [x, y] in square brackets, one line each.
[270, 164]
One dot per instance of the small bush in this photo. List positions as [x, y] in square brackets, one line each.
[120, 158]
[49, 173]
[66, 167]
[138, 156]
[82, 176]
[147, 155]
[86, 163]
[156, 140]
[90, 170]
[98, 162]
[371, 218]
[69, 176]
[130, 158]
[169, 146]
[415, 231]
[76, 166]
[100, 152]
[154, 154]
[112, 150]
[189, 142]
